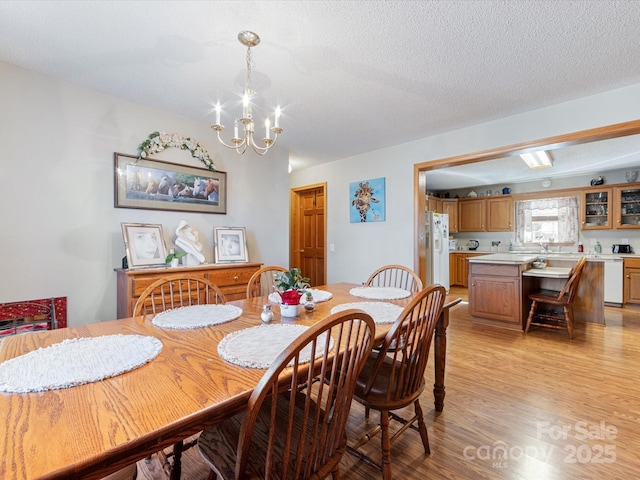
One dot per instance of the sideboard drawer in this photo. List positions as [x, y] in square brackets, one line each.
[231, 279]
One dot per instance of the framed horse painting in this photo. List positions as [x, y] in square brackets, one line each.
[367, 201]
[150, 184]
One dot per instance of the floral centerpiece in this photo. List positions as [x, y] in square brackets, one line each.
[290, 285]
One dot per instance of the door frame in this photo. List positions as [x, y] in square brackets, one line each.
[294, 222]
[420, 169]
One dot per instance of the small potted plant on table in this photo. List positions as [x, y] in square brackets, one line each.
[290, 285]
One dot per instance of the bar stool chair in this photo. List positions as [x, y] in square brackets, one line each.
[558, 313]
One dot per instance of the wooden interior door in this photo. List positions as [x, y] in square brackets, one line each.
[308, 232]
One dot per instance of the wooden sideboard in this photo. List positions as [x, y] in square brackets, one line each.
[232, 279]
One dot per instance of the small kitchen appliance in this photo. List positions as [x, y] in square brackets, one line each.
[621, 248]
[453, 244]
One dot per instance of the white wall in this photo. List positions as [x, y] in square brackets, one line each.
[61, 234]
[360, 248]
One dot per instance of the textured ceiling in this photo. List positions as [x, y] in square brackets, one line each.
[351, 76]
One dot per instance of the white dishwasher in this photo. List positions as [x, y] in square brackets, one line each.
[613, 278]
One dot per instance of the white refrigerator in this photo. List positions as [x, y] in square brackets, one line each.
[437, 251]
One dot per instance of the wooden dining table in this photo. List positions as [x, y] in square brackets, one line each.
[91, 430]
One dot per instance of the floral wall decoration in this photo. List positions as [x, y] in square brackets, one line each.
[159, 141]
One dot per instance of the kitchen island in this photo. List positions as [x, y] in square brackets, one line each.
[499, 287]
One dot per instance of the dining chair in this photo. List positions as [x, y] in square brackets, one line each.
[393, 377]
[396, 276]
[551, 309]
[261, 282]
[294, 426]
[176, 291]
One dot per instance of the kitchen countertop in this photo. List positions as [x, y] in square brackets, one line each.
[506, 258]
[591, 257]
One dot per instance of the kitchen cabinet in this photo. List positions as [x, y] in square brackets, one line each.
[450, 207]
[496, 295]
[491, 214]
[232, 280]
[499, 214]
[434, 204]
[631, 283]
[471, 215]
[627, 206]
[459, 267]
[595, 211]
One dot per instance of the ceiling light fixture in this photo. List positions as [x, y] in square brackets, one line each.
[249, 39]
[539, 159]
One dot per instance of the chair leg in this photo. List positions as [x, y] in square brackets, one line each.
[176, 470]
[335, 474]
[422, 428]
[568, 316]
[532, 313]
[386, 445]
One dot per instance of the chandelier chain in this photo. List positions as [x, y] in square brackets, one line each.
[247, 86]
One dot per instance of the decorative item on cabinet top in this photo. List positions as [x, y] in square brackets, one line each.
[230, 245]
[144, 245]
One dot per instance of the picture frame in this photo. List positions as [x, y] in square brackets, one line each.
[144, 244]
[230, 245]
[367, 200]
[149, 184]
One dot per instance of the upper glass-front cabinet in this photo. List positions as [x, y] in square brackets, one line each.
[596, 211]
[628, 207]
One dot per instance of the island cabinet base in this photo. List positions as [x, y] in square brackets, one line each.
[232, 279]
[497, 296]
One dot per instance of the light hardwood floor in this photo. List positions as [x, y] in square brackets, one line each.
[537, 407]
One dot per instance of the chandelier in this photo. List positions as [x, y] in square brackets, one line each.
[240, 144]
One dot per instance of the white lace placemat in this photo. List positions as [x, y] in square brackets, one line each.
[196, 316]
[77, 361]
[318, 296]
[380, 293]
[381, 312]
[258, 347]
